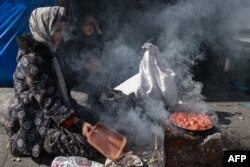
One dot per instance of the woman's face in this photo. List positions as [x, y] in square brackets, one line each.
[90, 26]
[58, 33]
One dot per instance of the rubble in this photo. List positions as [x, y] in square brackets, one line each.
[127, 160]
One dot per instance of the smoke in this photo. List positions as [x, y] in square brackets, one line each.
[140, 124]
[180, 29]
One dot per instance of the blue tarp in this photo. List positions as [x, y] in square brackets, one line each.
[14, 17]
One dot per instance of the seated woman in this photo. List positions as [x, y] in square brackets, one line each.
[43, 115]
[81, 53]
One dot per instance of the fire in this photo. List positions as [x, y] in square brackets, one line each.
[191, 121]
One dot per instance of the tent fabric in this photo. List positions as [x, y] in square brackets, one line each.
[14, 17]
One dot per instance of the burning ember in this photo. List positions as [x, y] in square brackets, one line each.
[191, 121]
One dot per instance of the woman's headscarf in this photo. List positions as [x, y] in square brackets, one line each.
[42, 22]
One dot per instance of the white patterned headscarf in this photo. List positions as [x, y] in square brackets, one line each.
[42, 24]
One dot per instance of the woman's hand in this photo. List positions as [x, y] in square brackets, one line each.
[93, 66]
[98, 30]
[86, 128]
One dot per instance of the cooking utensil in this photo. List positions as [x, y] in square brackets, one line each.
[191, 121]
[107, 141]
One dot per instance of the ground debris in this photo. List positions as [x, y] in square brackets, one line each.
[16, 159]
[127, 160]
[156, 158]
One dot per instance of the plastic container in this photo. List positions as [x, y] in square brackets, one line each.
[107, 141]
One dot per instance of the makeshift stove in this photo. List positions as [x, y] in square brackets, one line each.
[191, 148]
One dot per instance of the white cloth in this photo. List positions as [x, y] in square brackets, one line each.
[156, 78]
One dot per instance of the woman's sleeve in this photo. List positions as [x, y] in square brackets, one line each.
[43, 89]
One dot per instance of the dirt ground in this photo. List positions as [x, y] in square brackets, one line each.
[233, 110]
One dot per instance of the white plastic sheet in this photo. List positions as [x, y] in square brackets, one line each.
[74, 161]
[155, 79]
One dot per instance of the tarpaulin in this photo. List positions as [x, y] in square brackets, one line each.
[14, 17]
